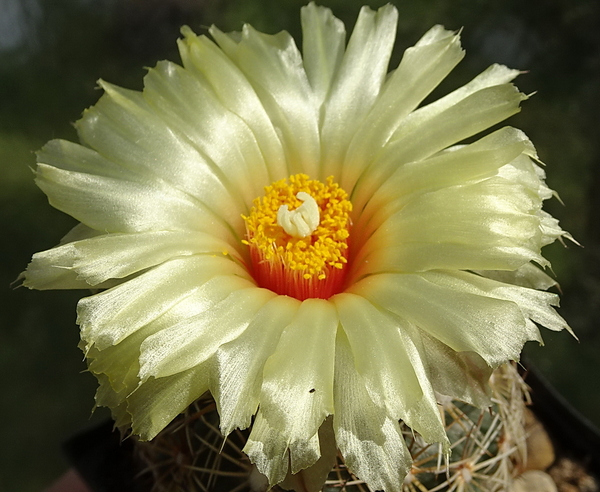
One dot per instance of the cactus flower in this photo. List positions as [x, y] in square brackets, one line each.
[297, 233]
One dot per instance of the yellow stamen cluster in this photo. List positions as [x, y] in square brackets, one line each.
[312, 256]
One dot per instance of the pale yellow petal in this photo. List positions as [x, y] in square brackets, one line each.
[461, 375]
[470, 163]
[323, 45]
[205, 60]
[528, 275]
[422, 68]
[273, 65]
[125, 130]
[493, 328]
[267, 450]
[311, 477]
[494, 75]
[240, 363]
[490, 225]
[357, 83]
[297, 390]
[156, 402]
[195, 338]
[98, 259]
[370, 441]
[388, 361]
[114, 204]
[190, 108]
[120, 362]
[420, 139]
[106, 396]
[110, 316]
[537, 306]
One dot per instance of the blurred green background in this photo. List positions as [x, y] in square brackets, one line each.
[52, 53]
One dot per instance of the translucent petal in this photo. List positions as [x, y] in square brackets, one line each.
[461, 375]
[426, 417]
[418, 139]
[206, 61]
[304, 453]
[494, 75]
[70, 156]
[156, 402]
[190, 108]
[528, 175]
[551, 231]
[379, 354]
[106, 396]
[474, 162]
[120, 362]
[267, 450]
[370, 441]
[84, 168]
[108, 317]
[52, 269]
[422, 68]
[109, 256]
[240, 363]
[312, 478]
[118, 205]
[297, 390]
[534, 304]
[274, 67]
[435, 302]
[528, 275]
[125, 130]
[79, 233]
[323, 41]
[390, 365]
[195, 338]
[489, 225]
[310, 460]
[357, 84]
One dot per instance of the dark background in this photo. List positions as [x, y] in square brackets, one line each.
[52, 53]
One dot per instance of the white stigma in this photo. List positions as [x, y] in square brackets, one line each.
[304, 220]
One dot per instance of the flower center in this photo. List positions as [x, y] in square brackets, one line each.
[298, 237]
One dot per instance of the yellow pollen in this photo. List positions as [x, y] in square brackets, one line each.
[299, 230]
